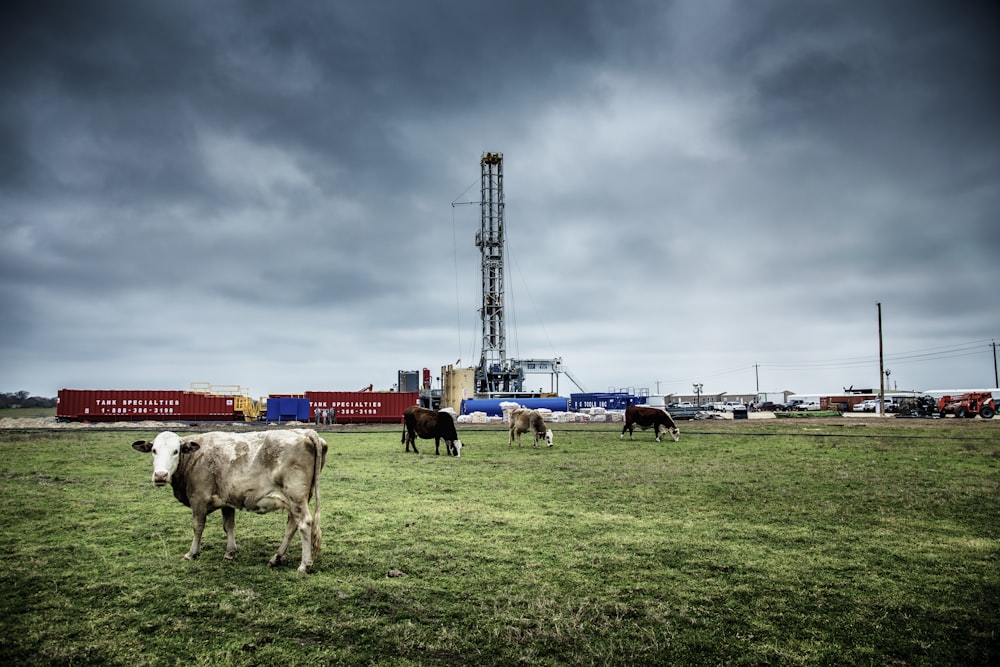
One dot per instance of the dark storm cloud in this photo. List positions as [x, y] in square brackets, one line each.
[887, 109]
[897, 86]
[283, 172]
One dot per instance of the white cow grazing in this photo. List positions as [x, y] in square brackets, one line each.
[523, 420]
[259, 472]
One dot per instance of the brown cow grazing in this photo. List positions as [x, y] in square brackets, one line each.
[437, 424]
[644, 417]
[258, 472]
[523, 420]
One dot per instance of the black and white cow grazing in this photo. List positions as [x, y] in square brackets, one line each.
[259, 472]
[644, 417]
[437, 424]
[523, 420]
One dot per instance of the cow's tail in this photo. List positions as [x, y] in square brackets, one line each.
[320, 458]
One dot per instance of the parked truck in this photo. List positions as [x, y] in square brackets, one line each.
[776, 397]
[968, 405]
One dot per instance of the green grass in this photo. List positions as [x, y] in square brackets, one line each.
[24, 413]
[746, 543]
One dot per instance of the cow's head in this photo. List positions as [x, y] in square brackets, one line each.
[548, 437]
[456, 446]
[167, 448]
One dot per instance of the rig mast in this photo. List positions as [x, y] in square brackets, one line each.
[495, 374]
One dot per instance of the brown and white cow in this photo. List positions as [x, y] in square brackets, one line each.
[523, 420]
[259, 472]
[644, 417]
[425, 423]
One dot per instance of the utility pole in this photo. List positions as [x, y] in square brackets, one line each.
[881, 364]
[996, 379]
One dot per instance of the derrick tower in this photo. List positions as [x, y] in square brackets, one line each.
[495, 373]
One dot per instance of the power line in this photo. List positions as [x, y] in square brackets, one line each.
[920, 355]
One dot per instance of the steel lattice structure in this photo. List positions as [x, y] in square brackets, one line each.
[495, 372]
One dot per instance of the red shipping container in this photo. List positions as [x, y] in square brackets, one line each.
[110, 405]
[363, 407]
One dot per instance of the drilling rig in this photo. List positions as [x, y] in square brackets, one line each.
[495, 374]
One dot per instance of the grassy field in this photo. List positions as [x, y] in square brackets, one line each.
[21, 413]
[746, 543]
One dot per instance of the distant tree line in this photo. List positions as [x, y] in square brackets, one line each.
[21, 399]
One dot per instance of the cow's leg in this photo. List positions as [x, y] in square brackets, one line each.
[300, 519]
[290, 527]
[306, 533]
[229, 525]
[279, 555]
[199, 528]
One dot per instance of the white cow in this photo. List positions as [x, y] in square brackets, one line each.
[523, 420]
[259, 472]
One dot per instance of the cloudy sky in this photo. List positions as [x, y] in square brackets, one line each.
[262, 193]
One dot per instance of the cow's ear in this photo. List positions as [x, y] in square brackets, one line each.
[142, 446]
[189, 446]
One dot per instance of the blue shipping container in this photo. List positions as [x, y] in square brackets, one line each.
[287, 409]
[606, 400]
[491, 406]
